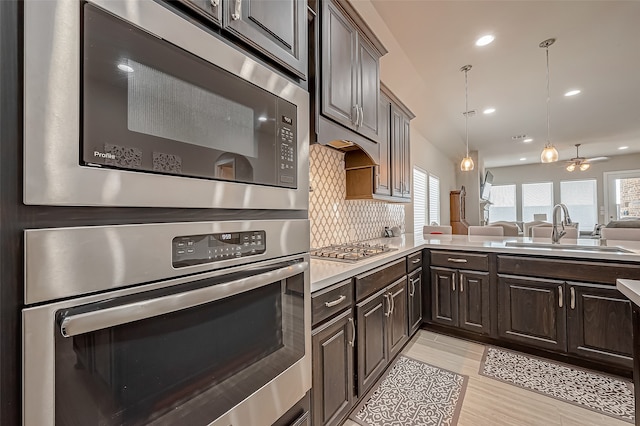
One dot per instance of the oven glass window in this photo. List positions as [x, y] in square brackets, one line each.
[186, 367]
[150, 106]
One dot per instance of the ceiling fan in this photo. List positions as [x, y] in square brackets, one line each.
[581, 163]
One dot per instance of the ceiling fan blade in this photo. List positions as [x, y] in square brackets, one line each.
[596, 159]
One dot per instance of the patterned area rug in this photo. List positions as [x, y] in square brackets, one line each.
[413, 393]
[598, 392]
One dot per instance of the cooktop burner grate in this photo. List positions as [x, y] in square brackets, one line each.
[352, 252]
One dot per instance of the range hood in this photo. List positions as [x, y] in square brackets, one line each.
[343, 139]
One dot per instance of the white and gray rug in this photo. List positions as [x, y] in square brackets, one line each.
[604, 394]
[413, 393]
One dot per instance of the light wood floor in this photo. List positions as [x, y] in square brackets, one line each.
[490, 402]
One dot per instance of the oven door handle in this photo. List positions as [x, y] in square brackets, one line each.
[75, 324]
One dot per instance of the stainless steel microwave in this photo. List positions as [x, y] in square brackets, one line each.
[127, 103]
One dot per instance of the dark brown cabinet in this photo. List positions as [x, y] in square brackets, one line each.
[444, 300]
[382, 181]
[333, 369]
[382, 331]
[414, 293]
[350, 73]
[532, 311]
[599, 323]
[400, 159]
[277, 28]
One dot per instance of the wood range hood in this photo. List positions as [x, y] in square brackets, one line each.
[351, 143]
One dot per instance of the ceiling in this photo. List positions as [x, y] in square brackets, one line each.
[597, 50]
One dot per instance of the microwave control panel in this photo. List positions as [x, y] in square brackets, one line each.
[288, 140]
[198, 249]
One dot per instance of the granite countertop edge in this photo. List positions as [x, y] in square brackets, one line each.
[325, 273]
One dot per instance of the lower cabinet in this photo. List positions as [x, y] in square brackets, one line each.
[460, 299]
[588, 320]
[333, 369]
[414, 293]
[382, 331]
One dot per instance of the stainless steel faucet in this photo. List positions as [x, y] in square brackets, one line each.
[557, 220]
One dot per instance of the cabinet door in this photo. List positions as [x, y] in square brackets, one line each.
[473, 298]
[532, 311]
[397, 134]
[406, 159]
[444, 296]
[382, 183]
[278, 28]
[339, 38]
[207, 8]
[599, 323]
[373, 355]
[333, 375]
[414, 291]
[368, 88]
[398, 331]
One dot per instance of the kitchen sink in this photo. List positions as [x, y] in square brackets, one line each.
[571, 247]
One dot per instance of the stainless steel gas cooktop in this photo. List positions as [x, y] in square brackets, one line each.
[352, 252]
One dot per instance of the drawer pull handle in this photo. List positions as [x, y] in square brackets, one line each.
[455, 260]
[353, 329]
[414, 261]
[336, 302]
[560, 297]
[573, 298]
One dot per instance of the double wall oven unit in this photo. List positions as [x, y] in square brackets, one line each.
[166, 324]
[129, 103]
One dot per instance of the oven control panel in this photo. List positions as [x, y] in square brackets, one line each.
[197, 249]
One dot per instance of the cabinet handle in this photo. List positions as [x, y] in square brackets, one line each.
[453, 283]
[461, 284]
[413, 286]
[377, 177]
[573, 298]
[388, 312]
[361, 116]
[414, 261]
[393, 303]
[560, 297]
[357, 115]
[455, 260]
[215, 3]
[238, 10]
[333, 303]
[353, 329]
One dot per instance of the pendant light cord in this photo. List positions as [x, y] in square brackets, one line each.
[548, 100]
[466, 109]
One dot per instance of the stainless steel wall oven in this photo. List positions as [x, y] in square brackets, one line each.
[165, 324]
[128, 103]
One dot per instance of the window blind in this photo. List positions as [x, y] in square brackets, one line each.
[419, 200]
[434, 199]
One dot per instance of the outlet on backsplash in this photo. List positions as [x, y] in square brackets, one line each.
[335, 220]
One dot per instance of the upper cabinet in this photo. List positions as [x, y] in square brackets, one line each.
[276, 28]
[400, 160]
[350, 77]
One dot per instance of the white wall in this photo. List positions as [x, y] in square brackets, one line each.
[555, 172]
[399, 75]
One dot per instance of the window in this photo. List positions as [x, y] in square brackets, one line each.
[503, 203]
[580, 197]
[419, 200]
[434, 199]
[537, 198]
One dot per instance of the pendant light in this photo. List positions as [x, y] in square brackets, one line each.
[467, 162]
[549, 153]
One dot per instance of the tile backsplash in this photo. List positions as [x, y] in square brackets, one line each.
[335, 220]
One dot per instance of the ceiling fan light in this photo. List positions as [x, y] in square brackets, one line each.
[549, 154]
[466, 165]
[584, 166]
[571, 167]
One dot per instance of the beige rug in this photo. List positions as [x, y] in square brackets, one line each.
[598, 392]
[413, 393]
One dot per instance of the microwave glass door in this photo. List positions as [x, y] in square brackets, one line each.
[150, 106]
[185, 367]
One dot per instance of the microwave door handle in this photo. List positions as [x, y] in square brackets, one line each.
[75, 324]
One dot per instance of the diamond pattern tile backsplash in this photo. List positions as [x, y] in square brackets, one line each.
[335, 220]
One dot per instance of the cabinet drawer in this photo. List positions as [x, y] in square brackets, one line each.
[414, 261]
[372, 281]
[459, 260]
[331, 300]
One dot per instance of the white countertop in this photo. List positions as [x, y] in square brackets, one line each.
[630, 288]
[327, 272]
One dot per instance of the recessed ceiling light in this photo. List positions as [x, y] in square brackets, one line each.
[484, 40]
[572, 92]
[523, 158]
[125, 68]
[624, 147]
[527, 140]
[489, 111]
